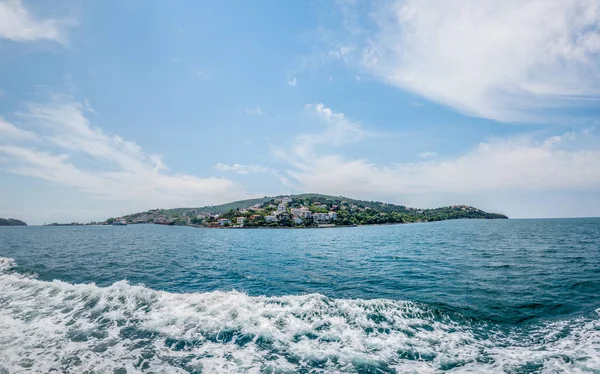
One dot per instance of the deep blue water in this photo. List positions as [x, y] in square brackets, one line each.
[469, 295]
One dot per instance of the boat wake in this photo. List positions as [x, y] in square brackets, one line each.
[57, 326]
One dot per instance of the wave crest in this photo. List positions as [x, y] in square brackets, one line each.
[47, 326]
[7, 264]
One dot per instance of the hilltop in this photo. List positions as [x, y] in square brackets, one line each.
[11, 222]
[304, 210]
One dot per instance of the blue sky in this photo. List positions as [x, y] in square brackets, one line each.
[110, 107]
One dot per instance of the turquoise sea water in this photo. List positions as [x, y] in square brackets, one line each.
[516, 296]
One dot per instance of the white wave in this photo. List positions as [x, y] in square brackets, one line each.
[6, 264]
[47, 326]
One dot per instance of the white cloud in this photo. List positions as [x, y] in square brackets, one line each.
[292, 82]
[10, 131]
[427, 154]
[504, 60]
[514, 164]
[72, 153]
[283, 179]
[88, 107]
[16, 23]
[255, 112]
[338, 130]
[566, 162]
[242, 169]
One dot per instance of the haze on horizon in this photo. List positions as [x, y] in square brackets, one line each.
[109, 108]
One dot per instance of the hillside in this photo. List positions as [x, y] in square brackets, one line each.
[306, 210]
[11, 222]
[217, 209]
[241, 204]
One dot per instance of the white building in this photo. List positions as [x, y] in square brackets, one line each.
[286, 200]
[332, 216]
[321, 217]
[301, 212]
[298, 220]
[240, 221]
[281, 207]
[224, 222]
[270, 218]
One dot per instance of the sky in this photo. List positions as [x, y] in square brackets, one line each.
[114, 107]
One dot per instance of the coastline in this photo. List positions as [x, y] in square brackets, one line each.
[322, 226]
[331, 226]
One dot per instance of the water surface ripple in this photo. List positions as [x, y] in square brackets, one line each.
[462, 296]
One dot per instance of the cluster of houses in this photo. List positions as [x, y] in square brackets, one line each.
[284, 211]
[278, 213]
[299, 215]
[151, 215]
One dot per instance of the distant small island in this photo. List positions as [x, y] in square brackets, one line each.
[305, 210]
[11, 222]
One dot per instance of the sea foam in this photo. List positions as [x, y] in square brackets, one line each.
[57, 326]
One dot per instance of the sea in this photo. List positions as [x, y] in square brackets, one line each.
[465, 296]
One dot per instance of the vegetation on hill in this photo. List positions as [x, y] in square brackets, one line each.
[11, 222]
[306, 210]
[219, 209]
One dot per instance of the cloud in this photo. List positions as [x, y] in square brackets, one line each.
[292, 82]
[88, 107]
[17, 24]
[71, 152]
[338, 131]
[562, 162]
[10, 131]
[427, 154]
[242, 169]
[506, 60]
[520, 164]
[255, 112]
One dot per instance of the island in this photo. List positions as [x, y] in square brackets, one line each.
[302, 211]
[11, 222]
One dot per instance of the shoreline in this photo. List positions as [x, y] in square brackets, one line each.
[322, 226]
[338, 226]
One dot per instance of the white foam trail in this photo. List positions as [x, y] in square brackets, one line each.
[7, 264]
[47, 326]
